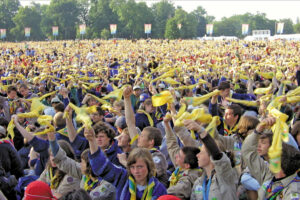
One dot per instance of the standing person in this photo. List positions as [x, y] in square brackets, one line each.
[135, 182]
[9, 103]
[185, 161]
[282, 185]
[219, 180]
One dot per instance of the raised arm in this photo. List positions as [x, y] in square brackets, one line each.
[129, 114]
[22, 130]
[172, 145]
[70, 127]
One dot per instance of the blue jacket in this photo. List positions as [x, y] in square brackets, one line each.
[118, 176]
[141, 121]
[81, 143]
[40, 146]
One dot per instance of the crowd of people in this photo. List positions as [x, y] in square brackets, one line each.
[150, 119]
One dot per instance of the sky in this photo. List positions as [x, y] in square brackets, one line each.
[273, 9]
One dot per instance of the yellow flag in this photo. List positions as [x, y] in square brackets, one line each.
[195, 101]
[162, 98]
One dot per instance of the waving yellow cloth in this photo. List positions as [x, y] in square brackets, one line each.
[212, 126]
[195, 101]
[162, 98]
[244, 102]
[82, 114]
[263, 90]
[280, 130]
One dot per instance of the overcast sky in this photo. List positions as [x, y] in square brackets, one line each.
[273, 9]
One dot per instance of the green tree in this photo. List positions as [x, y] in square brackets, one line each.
[101, 15]
[297, 28]
[172, 32]
[105, 34]
[27, 17]
[132, 17]
[162, 11]
[288, 26]
[187, 21]
[65, 15]
[8, 9]
[200, 15]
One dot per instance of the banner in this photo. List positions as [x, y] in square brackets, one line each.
[3, 33]
[245, 29]
[147, 28]
[55, 30]
[280, 27]
[209, 29]
[179, 26]
[113, 29]
[82, 28]
[27, 32]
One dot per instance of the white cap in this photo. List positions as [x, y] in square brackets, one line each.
[136, 87]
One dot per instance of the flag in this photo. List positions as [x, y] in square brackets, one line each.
[113, 29]
[55, 30]
[3, 33]
[27, 32]
[179, 26]
[280, 27]
[245, 29]
[147, 28]
[209, 29]
[82, 28]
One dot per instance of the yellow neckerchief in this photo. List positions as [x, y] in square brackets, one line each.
[147, 195]
[12, 106]
[175, 176]
[148, 116]
[228, 131]
[64, 131]
[87, 186]
[53, 185]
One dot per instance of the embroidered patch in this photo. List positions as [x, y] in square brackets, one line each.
[156, 159]
[295, 196]
[96, 194]
[103, 189]
[198, 189]
[70, 179]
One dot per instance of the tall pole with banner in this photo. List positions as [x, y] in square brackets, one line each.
[113, 29]
[55, 31]
[209, 29]
[82, 29]
[27, 32]
[147, 29]
[3, 33]
[245, 29]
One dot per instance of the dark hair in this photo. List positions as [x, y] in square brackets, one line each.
[101, 127]
[11, 88]
[224, 85]
[60, 107]
[154, 134]
[79, 194]
[191, 156]
[23, 85]
[237, 110]
[100, 111]
[267, 134]
[85, 156]
[290, 159]
[3, 122]
[66, 147]
[296, 130]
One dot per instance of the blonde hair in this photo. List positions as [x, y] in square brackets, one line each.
[247, 123]
[146, 156]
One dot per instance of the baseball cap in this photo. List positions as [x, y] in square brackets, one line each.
[136, 87]
[55, 100]
[162, 86]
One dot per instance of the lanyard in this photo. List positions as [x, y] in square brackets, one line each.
[206, 188]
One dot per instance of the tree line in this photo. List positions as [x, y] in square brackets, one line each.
[130, 17]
